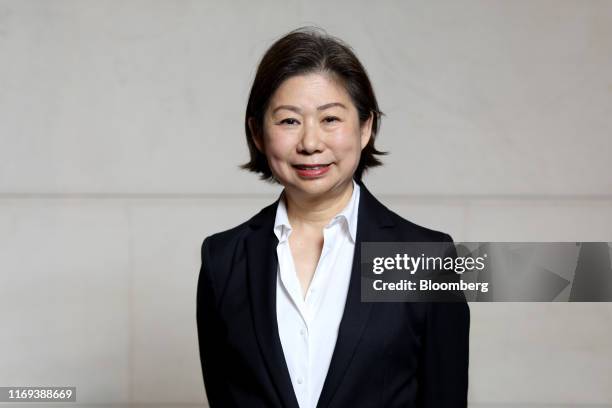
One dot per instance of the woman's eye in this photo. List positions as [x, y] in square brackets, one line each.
[289, 121]
[331, 119]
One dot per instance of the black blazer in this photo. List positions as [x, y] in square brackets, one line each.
[386, 355]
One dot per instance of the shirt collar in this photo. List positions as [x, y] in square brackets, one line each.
[348, 216]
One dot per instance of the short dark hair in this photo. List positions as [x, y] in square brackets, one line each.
[303, 51]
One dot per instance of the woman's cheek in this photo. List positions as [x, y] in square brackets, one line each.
[350, 152]
[277, 160]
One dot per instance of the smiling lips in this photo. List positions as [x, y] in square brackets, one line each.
[310, 166]
[311, 170]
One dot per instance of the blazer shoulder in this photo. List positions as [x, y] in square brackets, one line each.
[219, 242]
[406, 230]
[217, 254]
[418, 233]
[222, 244]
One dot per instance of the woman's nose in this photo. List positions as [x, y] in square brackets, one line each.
[311, 138]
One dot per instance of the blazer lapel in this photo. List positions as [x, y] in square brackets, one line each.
[372, 225]
[262, 272]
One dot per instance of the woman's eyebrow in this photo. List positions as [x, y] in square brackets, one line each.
[320, 108]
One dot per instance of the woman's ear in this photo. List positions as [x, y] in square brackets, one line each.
[366, 131]
[256, 134]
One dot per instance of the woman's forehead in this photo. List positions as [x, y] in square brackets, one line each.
[310, 90]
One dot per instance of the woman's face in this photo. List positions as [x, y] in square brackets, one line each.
[312, 137]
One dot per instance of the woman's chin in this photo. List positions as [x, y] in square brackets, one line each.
[315, 187]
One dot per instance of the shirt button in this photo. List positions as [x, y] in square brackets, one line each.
[300, 380]
[302, 332]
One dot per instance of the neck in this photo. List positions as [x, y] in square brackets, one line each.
[317, 211]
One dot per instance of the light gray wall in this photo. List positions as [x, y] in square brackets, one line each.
[121, 131]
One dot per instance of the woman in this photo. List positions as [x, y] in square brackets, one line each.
[280, 321]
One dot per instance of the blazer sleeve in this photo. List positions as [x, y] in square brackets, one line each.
[443, 373]
[209, 334]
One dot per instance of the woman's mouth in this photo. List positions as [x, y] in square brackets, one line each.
[311, 170]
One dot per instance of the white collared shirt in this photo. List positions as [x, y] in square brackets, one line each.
[308, 327]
